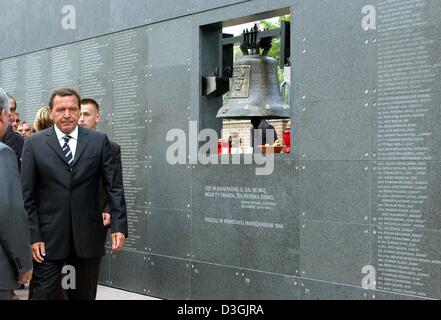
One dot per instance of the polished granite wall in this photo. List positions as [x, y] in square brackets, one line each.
[359, 189]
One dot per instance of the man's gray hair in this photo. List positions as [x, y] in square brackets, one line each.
[4, 101]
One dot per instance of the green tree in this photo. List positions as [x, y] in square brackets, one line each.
[275, 49]
[268, 25]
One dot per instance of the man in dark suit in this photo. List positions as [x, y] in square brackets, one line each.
[15, 254]
[89, 118]
[262, 133]
[61, 172]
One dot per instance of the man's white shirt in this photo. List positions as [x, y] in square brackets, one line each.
[72, 142]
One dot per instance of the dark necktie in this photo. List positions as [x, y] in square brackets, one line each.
[66, 150]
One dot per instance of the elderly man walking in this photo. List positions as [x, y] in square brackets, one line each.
[62, 168]
[15, 244]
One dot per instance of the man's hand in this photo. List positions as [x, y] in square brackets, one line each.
[25, 277]
[118, 239]
[106, 219]
[38, 251]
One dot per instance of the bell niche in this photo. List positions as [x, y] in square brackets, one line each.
[255, 89]
[244, 91]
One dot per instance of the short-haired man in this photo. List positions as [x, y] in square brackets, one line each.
[89, 118]
[89, 114]
[62, 167]
[15, 254]
[15, 121]
[25, 129]
[12, 106]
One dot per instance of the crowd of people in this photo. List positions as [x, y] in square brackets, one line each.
[25, 129]
[61, 189]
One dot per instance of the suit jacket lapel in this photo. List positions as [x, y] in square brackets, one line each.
[83, 139]
[53, 142]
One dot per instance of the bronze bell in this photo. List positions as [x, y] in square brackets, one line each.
[255, 90]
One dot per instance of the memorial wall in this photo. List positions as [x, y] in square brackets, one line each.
[352, 213]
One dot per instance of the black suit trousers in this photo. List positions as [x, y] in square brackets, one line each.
[47, 279]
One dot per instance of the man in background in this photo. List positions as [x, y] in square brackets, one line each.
[25, 129]
[15, 121]
[89, 118]
[262, 133]
[15, 245]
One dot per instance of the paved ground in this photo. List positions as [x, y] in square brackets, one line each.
[104, 293]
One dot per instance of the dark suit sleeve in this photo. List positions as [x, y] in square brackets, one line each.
[14, 226]
[29, 176]
[113, 184]
[116, 152]
[20, 143]
[15, 142]
[117, 155]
